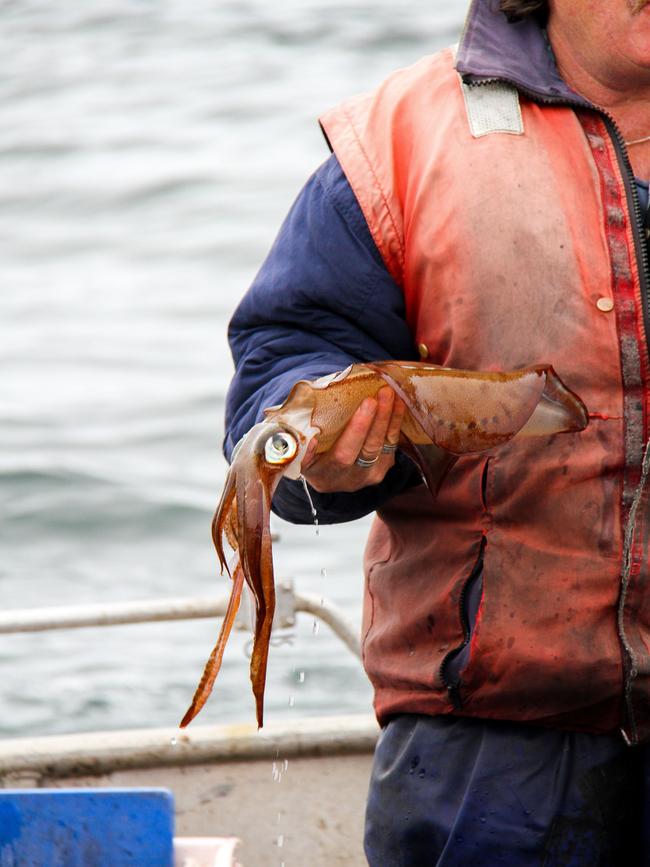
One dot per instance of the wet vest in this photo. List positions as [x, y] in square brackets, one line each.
[507, 225]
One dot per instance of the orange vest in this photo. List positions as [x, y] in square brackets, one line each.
[506, 224]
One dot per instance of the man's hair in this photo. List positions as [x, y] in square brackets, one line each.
[515, 10]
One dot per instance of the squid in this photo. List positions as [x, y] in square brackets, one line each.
[449, 413]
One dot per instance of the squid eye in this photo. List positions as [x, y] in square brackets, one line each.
[280, 448]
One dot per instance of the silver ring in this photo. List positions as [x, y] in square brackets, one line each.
[366, 464]
[389, 448]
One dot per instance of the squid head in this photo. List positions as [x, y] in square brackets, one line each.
[267, 452]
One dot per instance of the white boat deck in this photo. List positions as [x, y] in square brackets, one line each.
[293, 794]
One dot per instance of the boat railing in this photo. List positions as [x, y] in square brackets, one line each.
[330, 756]
[98, 752]
[289, 603]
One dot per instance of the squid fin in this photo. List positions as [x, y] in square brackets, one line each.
[465, 411]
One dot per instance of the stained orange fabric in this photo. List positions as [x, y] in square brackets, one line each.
[503, 247]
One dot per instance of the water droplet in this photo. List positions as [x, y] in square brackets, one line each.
[323, 573]
[301, 677]
[314, 513]
[292, 701]
[280, 841]
[315, 627]
[422, 774]
[174, 741]
[482, 819]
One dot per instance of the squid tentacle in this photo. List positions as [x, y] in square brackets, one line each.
[264, 623]
[254, 535]
[213, 665]
[222, 517]
[250, 520]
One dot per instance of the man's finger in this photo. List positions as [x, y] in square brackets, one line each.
[395, 424]
[347, 447]
[376, 435]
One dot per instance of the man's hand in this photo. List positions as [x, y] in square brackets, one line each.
[376, 422]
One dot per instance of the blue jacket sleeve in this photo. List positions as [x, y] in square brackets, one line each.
[322, 300]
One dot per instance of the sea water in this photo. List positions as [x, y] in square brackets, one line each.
[149, 152]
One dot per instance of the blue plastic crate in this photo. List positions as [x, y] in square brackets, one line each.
[86, 828]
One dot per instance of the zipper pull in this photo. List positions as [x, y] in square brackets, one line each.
[454, 695]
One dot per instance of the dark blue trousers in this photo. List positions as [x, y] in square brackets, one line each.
[454, 792]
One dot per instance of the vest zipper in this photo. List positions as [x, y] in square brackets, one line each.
[631, 671]
[453, 687]
[629, 730]
[641, 249]
[638, 226]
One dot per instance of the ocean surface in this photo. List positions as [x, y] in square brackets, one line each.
[148, 155]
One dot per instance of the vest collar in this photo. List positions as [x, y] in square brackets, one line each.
[519, 53]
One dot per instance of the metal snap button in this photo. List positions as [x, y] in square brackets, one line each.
[604, 304]
[423, 349]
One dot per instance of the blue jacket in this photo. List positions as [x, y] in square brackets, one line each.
[322, 300]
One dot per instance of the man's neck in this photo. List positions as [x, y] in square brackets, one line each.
[620, 89]
[608, 85]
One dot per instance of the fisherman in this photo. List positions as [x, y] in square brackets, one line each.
[486, 209]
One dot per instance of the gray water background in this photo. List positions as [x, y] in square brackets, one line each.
[148, 153]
